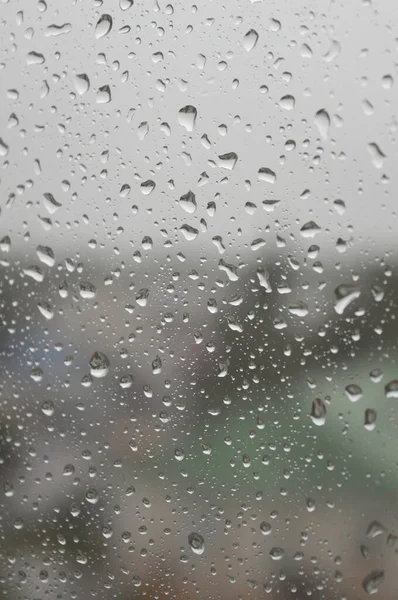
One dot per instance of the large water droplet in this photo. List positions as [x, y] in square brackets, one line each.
[188, 202]
[196, 543]
[318, 412]
[190, 233]
[82, 84]
[373, 581]
[265, 174]
[345, 294]
[228, 160]
[250, 40]
[187, 117]
[103, 26]
[99, 365]
[391, 389]
[377, 155]
[103, 95]
[322, 121]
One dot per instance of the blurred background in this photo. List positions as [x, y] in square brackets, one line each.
[198, 292]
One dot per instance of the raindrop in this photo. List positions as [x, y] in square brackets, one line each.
[50, 203]
[370, 419]
[250, 40]
[354, 392]
[147, 187]
[103, 95]
[196, 543]
[82, 84]
[3, 148]
[103, 26]
[188, 202]
[190, 233]
[265, 528]
[265, 174]
[87, 290]
[391, 389]
[310, 229]
[318, 412]
[47, 408]
[277, 553]
[99, 365]
[322, 121]
[377, 155]
[187, 117]
[287, 102]
[345, 294]
[228, 160]
[373, 581]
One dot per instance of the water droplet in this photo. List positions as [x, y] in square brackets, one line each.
[142, 297]
[99, 365]
[333, 52]
[265, 528]
[190, 233]
[3, 148]
[87, 290]
[373, 581]
[103, 95]
[318, 412]
[46, 310]
[322, 121]
[82, 84]
[370, 419]
[299, 308]
[277, 553]
[375, 529]
[345, 294]
[187, 117]
[354, 392]
[228, 160]
[391, 389]
[265, 174]
[250, 40]
[48, 408]
[287, 102]
[46, 255]
[147, 187]
[188, 202]
[103, 26]
[50, 203]
[68, 470]
[377, 155]
[196, 543]
[310, 229]
[35, 58]
[92, 496]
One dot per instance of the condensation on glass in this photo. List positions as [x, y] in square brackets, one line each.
[198, 299]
